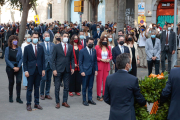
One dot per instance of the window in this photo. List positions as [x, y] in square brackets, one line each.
[49, 11]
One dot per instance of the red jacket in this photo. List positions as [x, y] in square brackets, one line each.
[99, 57]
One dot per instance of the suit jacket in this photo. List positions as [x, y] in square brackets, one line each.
[51, 35]
[120, 90]
[48, 56]
[30, 60]
[41, 29]
[30, 32]
[6, 35]
[87, 62]
[172, 90]
[60, 61]
[172, 41]
[93, 28]
[95, 36]
[84, 43]
[153, 51]
[99, 57]
[115, 42]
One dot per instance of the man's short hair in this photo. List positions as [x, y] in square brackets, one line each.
[89, 38]
[122, 60]
[45, 33]
[65, 33]
[121, 36]
[168, 24]
[35, 32]
[121, 31]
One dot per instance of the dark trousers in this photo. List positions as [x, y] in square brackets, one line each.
[46, 79]
[65, 76]
[4, 48]
[33, 80]
[163, 56]
[75, 82]
[87, 82]
[10, 73]
[134, 69]
[150, 65]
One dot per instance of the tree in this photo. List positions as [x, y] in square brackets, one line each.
[94, 4]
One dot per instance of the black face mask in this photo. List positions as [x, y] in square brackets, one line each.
[58, 39]
[121, 42]
[129, 39]
[90, 45]
[110, 30]
[104, 43]
[88, 31]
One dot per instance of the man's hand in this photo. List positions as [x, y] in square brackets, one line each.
[76, 65]
[3, 44]
[55, 73]
[96, 73]
[72, 71]
[138, 61]
[173, 52]
[27, 74]
[83, 74]
[43, 73]
[16, 69]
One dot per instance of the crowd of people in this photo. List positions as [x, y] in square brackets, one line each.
[73, 57]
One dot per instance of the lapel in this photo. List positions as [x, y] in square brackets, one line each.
[119, 50]
[61, 47]
[67, 49]
[38, 50]
[32, 51]
[51, 47]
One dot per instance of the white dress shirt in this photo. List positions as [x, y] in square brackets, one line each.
[63, 45]
[46, 45]
[121, 48]
[89, 50]
[142, 40]
[104, 55]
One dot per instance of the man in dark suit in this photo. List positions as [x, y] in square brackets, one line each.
[48, 51]
[121, 89]
[34, 68]
[120, 33]
[88, 68]
[97, 35]
[93, 28]
[168, 46]
[172, 91]
[31, 30]
[74, 31]
[42, 30]
[120, 49]
[62, 58]
[82, 39]
[51, 33]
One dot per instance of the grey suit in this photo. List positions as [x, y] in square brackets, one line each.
[167, 50]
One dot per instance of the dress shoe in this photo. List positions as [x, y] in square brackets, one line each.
[10, 99]
[78, 94]
[71, 94]
[65, 105]
[18, 99]
[85, 103]
[91, 102]
[48, 97]
[38, 107]
[58, 106]
[99, 98]
[29, 108]
[42, 97]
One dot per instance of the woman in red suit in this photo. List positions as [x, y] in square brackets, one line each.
[75, 79]
[104, 55]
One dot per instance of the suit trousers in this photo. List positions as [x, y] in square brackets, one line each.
[102, 75]
[46, 79]
[10, 73]
[142, 57]
[33, 80]
[87, 82]
[150, 65]
[163, 56]
[65, 76]
[75, 82]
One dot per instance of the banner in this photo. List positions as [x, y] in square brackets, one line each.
[141, 8]
[141, 20]
[36, 19]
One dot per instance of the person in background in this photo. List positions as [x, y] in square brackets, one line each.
[121, 89]
[110, 31]
[24, 44]
[13, 58]
[42, 30]
[97, 35]
[86, 32]
[104, 56]
[133, 34]
[51, 33]
[132, 45]
[57, 38]
[94, 28]
[82, 39]
[48, 49]
[75, 79]
[136, 34]
[31, 30]
[141, 48]
[74, 31]
[153, 51]
[120, 33]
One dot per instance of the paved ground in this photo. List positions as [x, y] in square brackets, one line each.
[15, 111]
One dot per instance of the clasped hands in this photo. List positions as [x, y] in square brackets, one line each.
[55, 72]
[154, 58]
[105, 60]
[27, 73]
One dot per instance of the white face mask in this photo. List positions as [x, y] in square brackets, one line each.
[65, 40]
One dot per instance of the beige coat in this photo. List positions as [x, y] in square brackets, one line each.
[136, 50]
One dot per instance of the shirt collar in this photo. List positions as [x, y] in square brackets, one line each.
[33, 45]
[46, 42]
[63, 43]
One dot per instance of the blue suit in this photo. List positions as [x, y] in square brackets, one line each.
[48, 66]
[172, 90]
[116, 51]
[96, 35]
[88, 65]
[34, 65]
[120, 90]
[51, 35]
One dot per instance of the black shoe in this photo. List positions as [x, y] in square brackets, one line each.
[19, 100]
[10, 99]
[91, 102]
[62, 85]
[85, 103]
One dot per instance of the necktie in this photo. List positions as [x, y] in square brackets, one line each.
[35, 51]
[48, 48]
[122, 49]
[82, 43]
[65, 50]
[90, 52]
[167, 38]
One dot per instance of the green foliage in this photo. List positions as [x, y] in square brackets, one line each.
[151, 89]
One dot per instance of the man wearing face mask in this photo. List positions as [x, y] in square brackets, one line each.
[120, 33]
[74, 31]
[31, 30]
[82, 39]
[121, 89]
[88, 68]
[168, 46]
[34, 68]
[62, 58]
[153, 51]
[120, 49]
[97, 35]
[48, 49]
